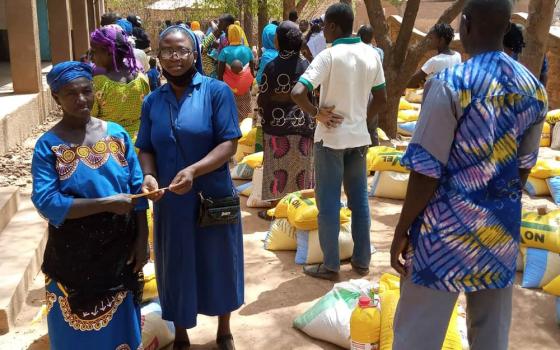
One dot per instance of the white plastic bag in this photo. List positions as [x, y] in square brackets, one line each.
[329, 318]
[255, 199]
[156, 332]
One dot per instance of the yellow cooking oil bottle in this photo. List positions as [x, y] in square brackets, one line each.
[365, 325]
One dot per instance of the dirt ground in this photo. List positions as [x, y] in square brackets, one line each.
[277, 291]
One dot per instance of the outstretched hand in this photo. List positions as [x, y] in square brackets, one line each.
[183, 182]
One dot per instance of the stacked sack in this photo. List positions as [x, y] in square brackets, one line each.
[295, 228]
[248, 140]
[329, 318]
[391, 178]
[408, 116]
[252, 168]
[551, 131]
[544, 179]
[540, 247]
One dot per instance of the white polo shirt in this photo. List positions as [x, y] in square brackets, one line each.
[347, 72]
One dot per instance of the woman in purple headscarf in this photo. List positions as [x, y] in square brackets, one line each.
[119, 92]
[84, 173]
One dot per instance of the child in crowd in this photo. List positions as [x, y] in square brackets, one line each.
[440, 37]
[153, 75]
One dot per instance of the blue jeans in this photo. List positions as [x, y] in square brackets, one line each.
[332, 169]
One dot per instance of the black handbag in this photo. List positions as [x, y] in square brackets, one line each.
[212, 211]
[218, 211]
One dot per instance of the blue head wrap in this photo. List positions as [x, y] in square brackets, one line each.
[125, 25]
[183, 28]
[64, 72]
[270, 53]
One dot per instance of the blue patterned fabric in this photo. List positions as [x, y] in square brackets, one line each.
[111, 323]
[480, 122]
[62, 172]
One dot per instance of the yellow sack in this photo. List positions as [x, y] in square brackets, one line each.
[546, 135]
[414, 95]
[254, 160]
[281, 210]
[281, 236]
[246, 125]
[537, 187]
[389, 301]
[389, 184]
[303, 213]
[389, 282]
[408, 116]
[382, 135]
[150, 283]
[374, 151]
[250, 139]
[388, 161]
[553, 116]
[243, 151]
[405, 105]
[541, 231]
[309, 248]
[546, 168]
[553, 287]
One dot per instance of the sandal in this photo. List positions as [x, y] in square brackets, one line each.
[320, 271]
[225, 342]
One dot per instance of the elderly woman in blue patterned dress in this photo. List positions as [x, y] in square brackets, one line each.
[84, 172]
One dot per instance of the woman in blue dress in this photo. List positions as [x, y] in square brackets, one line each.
[188, 132]
[84, 172]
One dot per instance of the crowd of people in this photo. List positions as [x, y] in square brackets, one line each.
[126, 138]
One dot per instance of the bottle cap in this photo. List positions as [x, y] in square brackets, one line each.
[364, 302]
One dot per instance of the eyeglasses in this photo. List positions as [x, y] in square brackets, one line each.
[168, 52]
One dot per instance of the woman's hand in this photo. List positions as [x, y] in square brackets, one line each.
[139, 254]
[150, 185]
[183, 181]
[120, 204]
[139, 251]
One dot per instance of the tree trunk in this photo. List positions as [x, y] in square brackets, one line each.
[248, 20]
[401, 60]
[287, 6]
[263, 18]
[301, 5]
[536, 38]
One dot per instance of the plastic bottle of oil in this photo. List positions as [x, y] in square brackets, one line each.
[365, 326]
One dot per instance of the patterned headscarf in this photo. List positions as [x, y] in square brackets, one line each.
[115, 40]
[196, 44]
[64, 72]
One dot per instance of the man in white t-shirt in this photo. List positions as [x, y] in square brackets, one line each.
[346, 72]
[440, 37]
